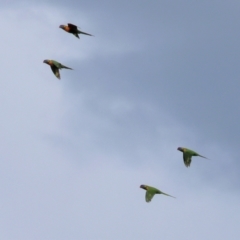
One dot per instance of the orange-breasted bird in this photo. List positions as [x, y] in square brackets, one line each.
[55, 66]
[70, 28]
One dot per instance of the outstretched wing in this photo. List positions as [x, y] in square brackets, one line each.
[55, 71]
[187, 158]
[149, 195]
[72, 27]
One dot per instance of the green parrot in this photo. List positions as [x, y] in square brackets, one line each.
[55, 66]
[187, 155]
[151, 191]
[70, 28]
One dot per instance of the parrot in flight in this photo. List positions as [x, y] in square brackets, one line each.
[55, 66]
[151, 191]
[70, 28]
[187, 155]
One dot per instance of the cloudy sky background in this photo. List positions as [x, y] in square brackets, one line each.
[154, 77]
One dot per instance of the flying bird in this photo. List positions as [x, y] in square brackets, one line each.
[55, 66]
[151, 191]
[70, 28]
[187, 155]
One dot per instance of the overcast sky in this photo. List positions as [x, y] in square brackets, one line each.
[156, 76]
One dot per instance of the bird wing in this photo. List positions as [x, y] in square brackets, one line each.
[187, 158]
[149, 195]
[72, 27]
[76, 35]
[55, 71]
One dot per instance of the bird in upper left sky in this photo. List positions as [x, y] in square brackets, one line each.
[70, 28]
[55, 66]
[151, 191]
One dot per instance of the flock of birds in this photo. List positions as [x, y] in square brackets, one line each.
[187, 159]
[55, 66]
[187, 153]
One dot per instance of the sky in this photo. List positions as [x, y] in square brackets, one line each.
[154, 77]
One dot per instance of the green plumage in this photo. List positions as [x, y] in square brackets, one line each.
[151, 191]
[55, 66]
[187, 155]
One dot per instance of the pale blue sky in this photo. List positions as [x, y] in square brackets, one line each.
[154, 77]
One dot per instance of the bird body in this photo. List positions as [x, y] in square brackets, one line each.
[151, 191]
[70, 28]
[187, 155]
[55, 66]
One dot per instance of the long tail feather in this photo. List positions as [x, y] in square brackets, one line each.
[167, 195]
[85, 33]
[66, 67]
[203, 156]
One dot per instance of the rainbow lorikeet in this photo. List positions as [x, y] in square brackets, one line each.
[55, 66]
[70, 28]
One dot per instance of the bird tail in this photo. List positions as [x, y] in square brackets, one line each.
[202, 156]
[85, 33]
[167, 195]
[62, 66]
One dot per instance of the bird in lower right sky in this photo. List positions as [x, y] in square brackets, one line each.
[188, 154]
[70, 28]
[151, 191]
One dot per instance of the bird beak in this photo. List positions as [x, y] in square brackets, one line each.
[179, 149]
[61, 26]
[142, 186]
[45, 61]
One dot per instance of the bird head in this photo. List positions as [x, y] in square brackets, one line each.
[180, 149]
[143, 187]
[62, 26]
[45, 61]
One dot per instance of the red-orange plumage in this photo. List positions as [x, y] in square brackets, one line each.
[67, 29]
[50, 62]
[70, 28]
